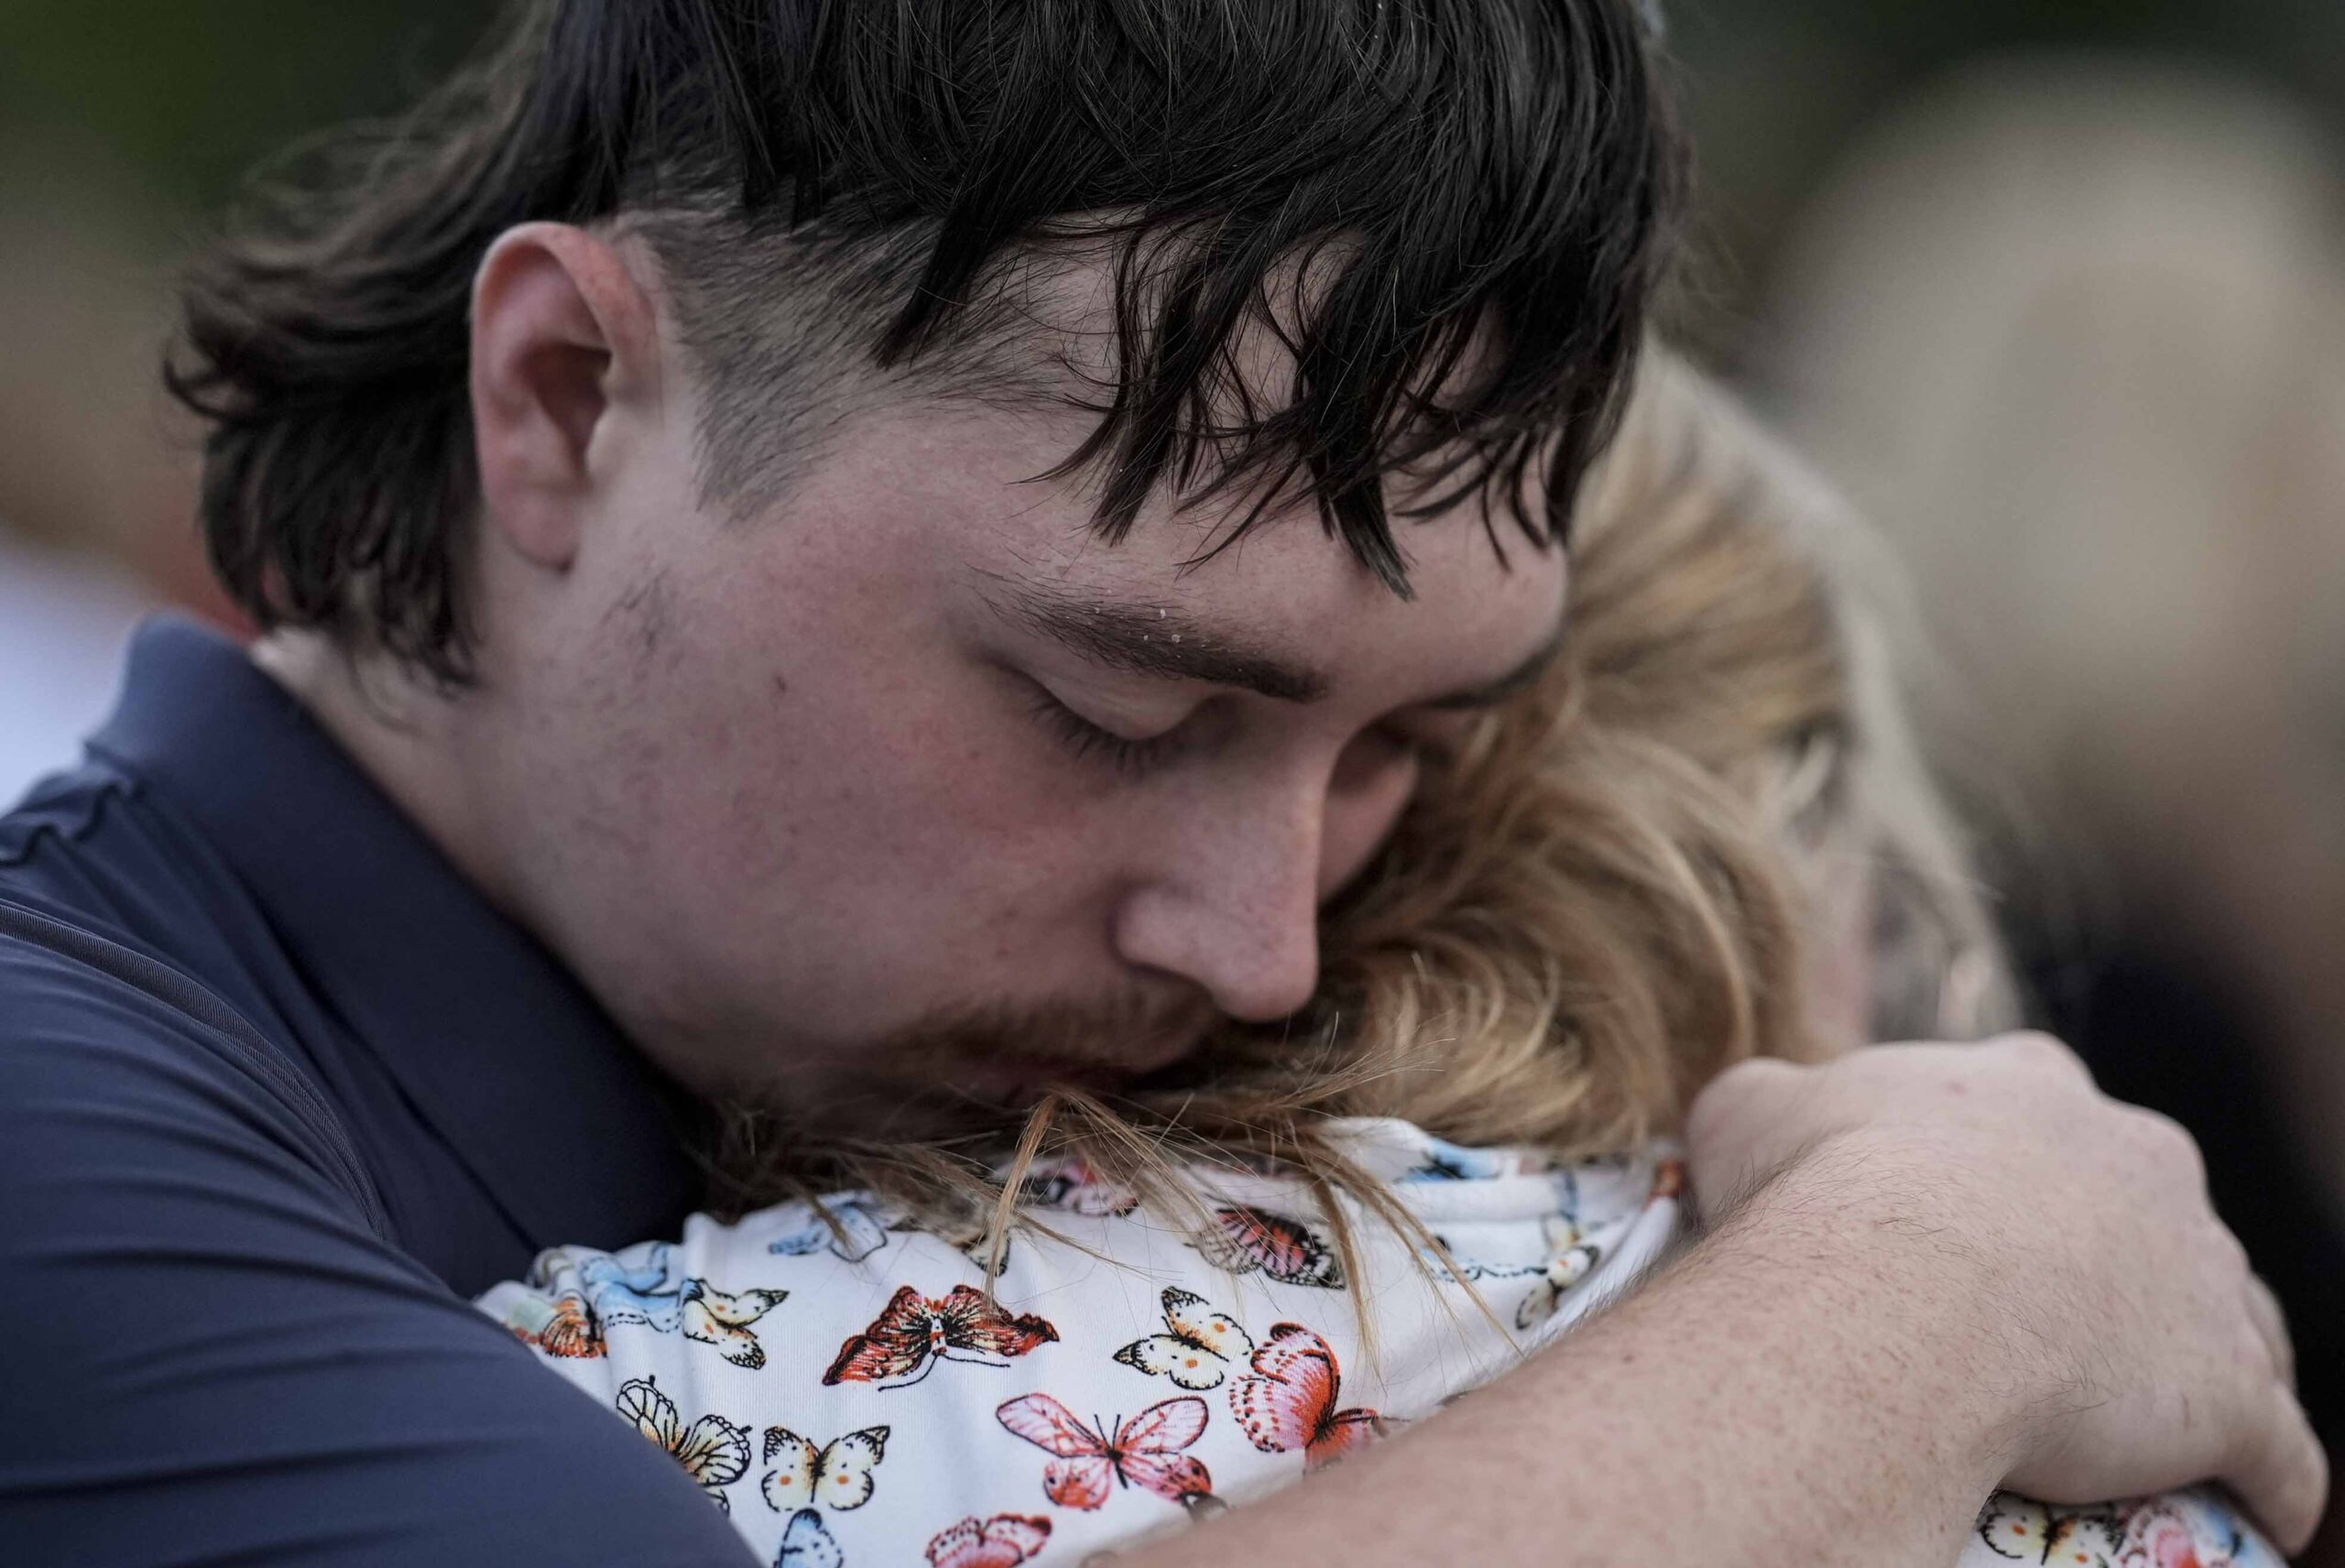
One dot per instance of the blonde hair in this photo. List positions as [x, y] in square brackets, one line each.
[1607, 897]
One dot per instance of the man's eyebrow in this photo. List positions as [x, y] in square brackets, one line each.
[1164, 642]
[1156, 640]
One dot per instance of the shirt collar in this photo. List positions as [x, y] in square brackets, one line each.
[503, 1051]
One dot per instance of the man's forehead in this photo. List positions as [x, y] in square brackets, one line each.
[1065, 352]
[1288, 612]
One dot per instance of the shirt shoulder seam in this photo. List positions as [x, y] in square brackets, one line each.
[182, 994]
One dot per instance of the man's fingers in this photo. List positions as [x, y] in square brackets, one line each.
[2044, 1051]
[2283, 1479]
[2264, 1311]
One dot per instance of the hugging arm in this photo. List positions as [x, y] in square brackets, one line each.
[1947, 1267]
[211, 1355]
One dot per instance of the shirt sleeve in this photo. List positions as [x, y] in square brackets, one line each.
[210, 1355]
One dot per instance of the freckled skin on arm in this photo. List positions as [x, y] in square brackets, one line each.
[1888, 1323]
[1714, 1417]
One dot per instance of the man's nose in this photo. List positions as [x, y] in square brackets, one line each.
[1235, 910]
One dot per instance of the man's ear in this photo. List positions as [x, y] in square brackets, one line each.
[562, 338]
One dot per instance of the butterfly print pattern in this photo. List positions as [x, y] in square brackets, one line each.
[580, 1296]
[580, 1293]
[559, 1325]
[1288, 1402]
[971, 1236]
[1236, 1354]
[837, 1476]
[2029, 1531]
[648, 1292]
[1074, 1187]
[1442, 1161]
[1556, 1281]
[2188, 1529]
[807, 1543]
[1088, 1462]
[1197, 1348]
[712, 1317]
[1002, 1541]
[1243, 1240]
[1573, 1251]
[914, 1333]
[851, 1225]
[713, 1451]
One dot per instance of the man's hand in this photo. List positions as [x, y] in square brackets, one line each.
[2123, 1344]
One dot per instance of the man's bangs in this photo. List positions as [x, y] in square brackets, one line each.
[1483, 192]
[1451, 235]
[1450, 219]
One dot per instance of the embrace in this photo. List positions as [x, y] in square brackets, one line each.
[1023, 786]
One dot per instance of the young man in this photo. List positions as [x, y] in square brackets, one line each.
[846, 558]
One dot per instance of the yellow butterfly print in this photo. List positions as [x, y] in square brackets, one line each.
[836, 1475]
[1197, 1347]
[713, 1317]
[713, 1451]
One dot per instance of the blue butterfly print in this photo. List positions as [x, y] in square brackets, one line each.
[648, 1293]
[1445, 1161]
[808, 1543]
[654, 1294]
[862, 1229]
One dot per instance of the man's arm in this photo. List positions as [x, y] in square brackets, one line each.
[208, 1353]
[1952, 1265]
[210, 1356]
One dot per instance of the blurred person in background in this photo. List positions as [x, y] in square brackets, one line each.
[2075, 330]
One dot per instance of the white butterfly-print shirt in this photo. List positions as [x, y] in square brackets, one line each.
[841, 1385]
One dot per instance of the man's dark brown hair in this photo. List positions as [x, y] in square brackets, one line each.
[835, 190]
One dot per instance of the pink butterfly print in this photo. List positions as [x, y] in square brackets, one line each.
[1243, 1240]
[914, 1333]
[1288, 1402]
[2158, 1535]
[1145, 1450]
[1002, 1541]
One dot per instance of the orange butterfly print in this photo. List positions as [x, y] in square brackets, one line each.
[1002, 1541]
[914, 1333]
[1243, 1240]
[1289, 1400]
[561, 1326]
[1088, 1464]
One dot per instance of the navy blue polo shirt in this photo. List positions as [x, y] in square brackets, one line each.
[280, 1091]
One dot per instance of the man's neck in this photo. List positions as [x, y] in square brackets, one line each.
[403, 737]
[434, 753]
